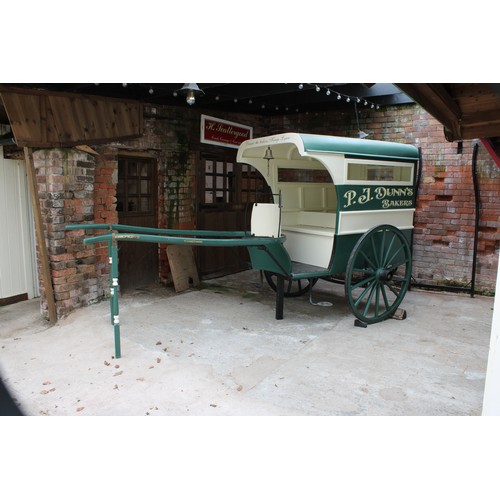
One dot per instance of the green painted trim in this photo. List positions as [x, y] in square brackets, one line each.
[272, 257]
[359, 147]
[152, 230]
[182, 240]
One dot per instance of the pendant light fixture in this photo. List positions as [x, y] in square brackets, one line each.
[191, 91]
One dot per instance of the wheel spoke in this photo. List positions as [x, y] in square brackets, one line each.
[372, 241]
[393, 290]
[377, 298]
[385, 260]
[395, 253]
[367, 259]
[368, 302]
[363, 293]
[362, 282]
[399, 279]
[382, 245]
[384, 295]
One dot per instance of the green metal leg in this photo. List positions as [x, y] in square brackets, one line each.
[114, 298]
[111, 289]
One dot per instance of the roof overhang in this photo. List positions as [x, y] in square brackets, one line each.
[466, 110]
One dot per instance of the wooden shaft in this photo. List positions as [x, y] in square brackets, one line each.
[40, 236]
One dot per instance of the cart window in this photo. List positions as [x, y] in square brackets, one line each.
[379, 173]
[303, 175]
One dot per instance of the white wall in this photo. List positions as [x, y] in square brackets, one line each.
[491, 401]
[17, 254]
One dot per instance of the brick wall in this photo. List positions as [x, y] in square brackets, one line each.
[445, 217]
[66, 188]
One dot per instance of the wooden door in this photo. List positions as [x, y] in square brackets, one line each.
[137, 206]
[227, 191]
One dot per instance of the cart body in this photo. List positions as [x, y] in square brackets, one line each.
[331, 192]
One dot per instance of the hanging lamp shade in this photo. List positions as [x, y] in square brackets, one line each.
[190, 90]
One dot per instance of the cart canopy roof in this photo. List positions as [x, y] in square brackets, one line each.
[321, 144]
[358, 147]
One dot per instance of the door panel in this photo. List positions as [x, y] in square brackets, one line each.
[227, 192]
[137, 206]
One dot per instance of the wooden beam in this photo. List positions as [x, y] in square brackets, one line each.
[40, 236]
[489, 147]
[87, 149]
[436, 101]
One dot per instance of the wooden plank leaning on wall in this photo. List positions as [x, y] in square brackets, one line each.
[40, 236]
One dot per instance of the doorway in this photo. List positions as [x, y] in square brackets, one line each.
[227, 191]
[137, 205]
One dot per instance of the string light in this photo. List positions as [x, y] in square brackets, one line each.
[341, 96]
[317, 87]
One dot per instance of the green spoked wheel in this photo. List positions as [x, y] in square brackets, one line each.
[378, 273]
[293, 288]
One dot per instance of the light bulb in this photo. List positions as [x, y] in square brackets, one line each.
[190, 99]
[301, 86]
[328, 92]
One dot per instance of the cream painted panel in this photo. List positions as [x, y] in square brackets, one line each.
[322, 219]
[291, 196]
[331, 198]
[313, 197]
[307, 248]
[360, 222]
[265, 220]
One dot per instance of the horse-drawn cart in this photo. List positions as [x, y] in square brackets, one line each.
[343, 209]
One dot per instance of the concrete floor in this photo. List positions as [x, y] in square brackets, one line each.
[219, 351]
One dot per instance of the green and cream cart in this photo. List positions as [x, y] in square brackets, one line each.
[343, 209]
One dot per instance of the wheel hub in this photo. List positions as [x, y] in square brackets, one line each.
[384, 274]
